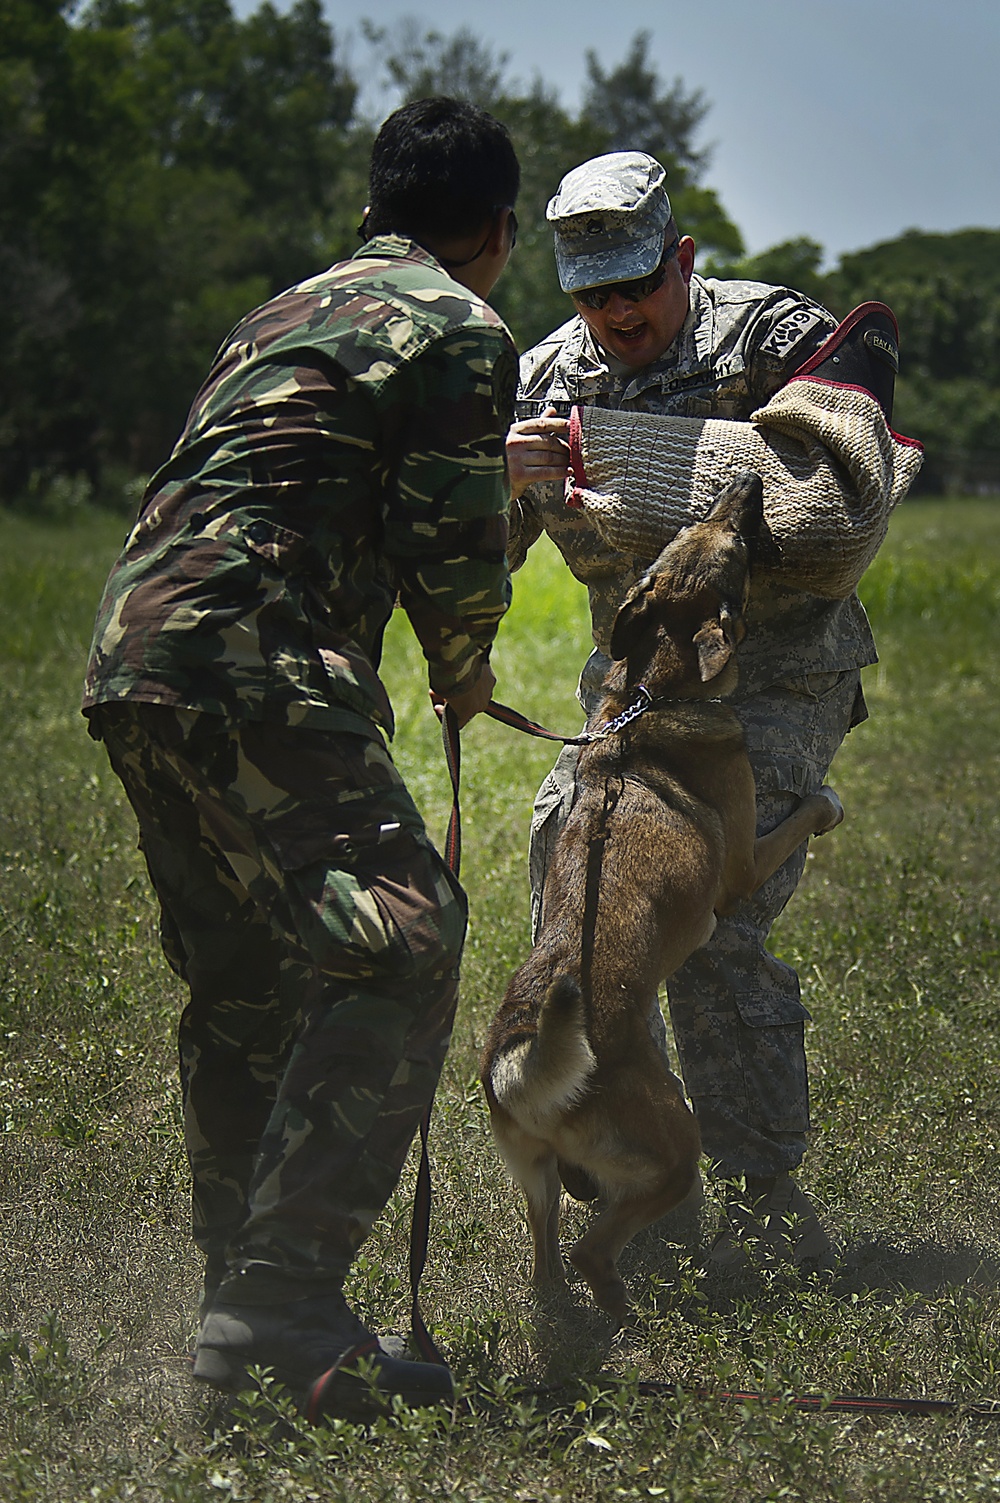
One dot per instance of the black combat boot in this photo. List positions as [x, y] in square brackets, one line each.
[314, 1346]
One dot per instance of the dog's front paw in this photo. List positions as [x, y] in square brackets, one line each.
[833, 813]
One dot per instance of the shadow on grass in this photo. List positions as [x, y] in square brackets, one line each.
[572, 1338]
[923, 1266]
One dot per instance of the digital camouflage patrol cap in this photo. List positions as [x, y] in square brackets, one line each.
[609, 216]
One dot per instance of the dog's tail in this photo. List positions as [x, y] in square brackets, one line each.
[540, 1077]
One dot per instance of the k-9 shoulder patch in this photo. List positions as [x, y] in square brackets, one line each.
[792, 329]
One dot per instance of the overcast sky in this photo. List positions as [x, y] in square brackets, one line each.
[846, 120]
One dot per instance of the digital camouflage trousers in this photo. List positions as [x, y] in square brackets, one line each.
[319, 933]
[735, 1009]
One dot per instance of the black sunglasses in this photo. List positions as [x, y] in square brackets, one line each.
[632, 292]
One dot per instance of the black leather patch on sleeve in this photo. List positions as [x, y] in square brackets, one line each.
[790, 331]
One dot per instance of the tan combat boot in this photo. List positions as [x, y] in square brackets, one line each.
[771, 1223]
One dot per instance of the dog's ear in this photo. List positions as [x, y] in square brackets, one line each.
[631, 616]
[716, 642]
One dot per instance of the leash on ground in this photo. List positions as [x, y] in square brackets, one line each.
[818, 1403]
[420, 1224]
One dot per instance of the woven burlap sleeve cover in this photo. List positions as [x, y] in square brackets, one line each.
[832, 472]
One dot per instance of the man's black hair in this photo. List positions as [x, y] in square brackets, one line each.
[440, 168]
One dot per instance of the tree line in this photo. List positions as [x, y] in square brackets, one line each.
[165, 165]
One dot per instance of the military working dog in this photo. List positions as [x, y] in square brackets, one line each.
[661, 837]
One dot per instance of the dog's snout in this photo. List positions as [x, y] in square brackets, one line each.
[743, 502]
[740, 504]
[751, 486]
[750, 522]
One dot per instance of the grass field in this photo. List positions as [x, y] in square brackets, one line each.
[895, 933]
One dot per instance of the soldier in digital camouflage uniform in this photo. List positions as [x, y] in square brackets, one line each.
[672, 343]
[346, 450]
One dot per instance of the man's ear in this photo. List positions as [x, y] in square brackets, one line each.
[716, 642]
[631, 616]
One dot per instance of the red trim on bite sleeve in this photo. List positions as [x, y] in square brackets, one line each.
[577, 470]
[900, 438]
[840, 333]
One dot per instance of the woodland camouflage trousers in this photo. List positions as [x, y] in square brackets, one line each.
[319, 934]
[735, 1010]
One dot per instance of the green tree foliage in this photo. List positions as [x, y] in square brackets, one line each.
[944, 288]
[629, 105]
[69, 117]
[420, 64]
[165, 165]
[793, 263]
[945, 293]
[262, 102]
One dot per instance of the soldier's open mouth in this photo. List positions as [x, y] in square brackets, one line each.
[635, 331]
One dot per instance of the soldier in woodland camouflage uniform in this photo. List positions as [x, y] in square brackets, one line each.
[346, 450]
[650, 335]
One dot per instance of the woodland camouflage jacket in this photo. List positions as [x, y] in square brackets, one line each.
[346, 448]
[739, 344]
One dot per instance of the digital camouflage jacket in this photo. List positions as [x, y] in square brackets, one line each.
[739, 344]
[346, 449]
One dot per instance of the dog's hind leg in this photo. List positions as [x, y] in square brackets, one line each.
[532, 1164]
[542, 1189]
[596, 1254]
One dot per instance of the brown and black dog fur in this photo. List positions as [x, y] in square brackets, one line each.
[661, 838]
